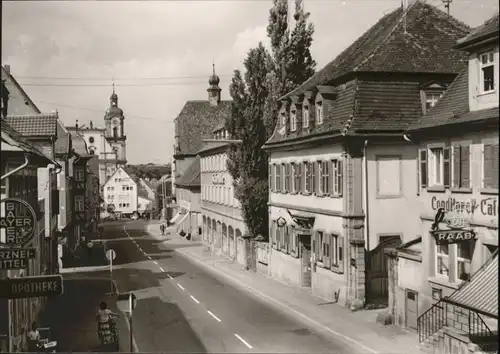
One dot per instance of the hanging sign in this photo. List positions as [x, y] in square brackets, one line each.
[35, 286]
[16, 258]
[18, 221]
[452, 227]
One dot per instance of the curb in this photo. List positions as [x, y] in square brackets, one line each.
[283, 307]
[83, 269]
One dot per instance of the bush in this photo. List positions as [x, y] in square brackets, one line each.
[253, 195]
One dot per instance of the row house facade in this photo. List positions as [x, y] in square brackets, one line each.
[223, 223]
[197, 121]
[340, 172]
[24, 164]
[446, 280]
[120, 192]
[188, 197]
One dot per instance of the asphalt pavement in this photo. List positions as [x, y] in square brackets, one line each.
[183, 307]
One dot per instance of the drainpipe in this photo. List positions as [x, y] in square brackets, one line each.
[367, 209]
[26, 162]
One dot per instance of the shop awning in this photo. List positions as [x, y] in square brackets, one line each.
[480, 294]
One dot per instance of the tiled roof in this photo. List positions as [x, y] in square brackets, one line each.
[485, 30]
[36, 125]
[192, 177]
[62, 144]
[196, 122]
[12, 137]
[453, 107]
[421, 44]
[211, 145]
[481, 292]
[19, 101]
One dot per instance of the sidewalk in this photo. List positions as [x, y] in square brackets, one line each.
[332, 319]
[71, 316]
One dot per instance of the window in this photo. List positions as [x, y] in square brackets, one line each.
[337, 178]
[442, 258]
[460, 159]
[305, 116]
[490, 166]
[337, 251]
[271, 177]
[298, 178]
[277, 182]
[287, 169]
[319, 113]
[431, 98]
[439, 167]
[79, 174]
[79, 203]
[283, 118]
[324, 177]
[115, 132]
[487, 65]
[464, 258]
[307, 177]
[293, 120]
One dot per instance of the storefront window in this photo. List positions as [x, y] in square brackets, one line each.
[464, 257]
[442, 254]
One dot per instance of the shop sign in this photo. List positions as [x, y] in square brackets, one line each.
[36, 286]
[218, 179]
[453, 226]
[16, 258]
[19, 221]
[486, 206]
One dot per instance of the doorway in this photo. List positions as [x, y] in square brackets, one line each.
[305, 260]
[411, 309]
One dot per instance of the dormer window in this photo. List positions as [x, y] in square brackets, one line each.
[319, 112]
[293, 119]
[305, 116]
[283, 118]
[431, 98]
[487, 64]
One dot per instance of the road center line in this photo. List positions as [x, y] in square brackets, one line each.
[243, 341]
[170, 276]
[194, 299]
[163, 270]
[180, 286]
[155, 262]
[216, 318]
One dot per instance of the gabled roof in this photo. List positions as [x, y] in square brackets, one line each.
[420, 42]
[212, 145]
[63, 142]
[488, 30]
[19, 101]
[196, 122]
[192, 177]
[453, 108]
[34, 125]
[116, 172]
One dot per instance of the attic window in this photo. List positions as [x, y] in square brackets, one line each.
[305, 116]
[283, 117]
[293, 119]
[319, 112]
[431, 98]
[487, 64]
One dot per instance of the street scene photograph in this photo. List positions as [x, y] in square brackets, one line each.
[249, 176]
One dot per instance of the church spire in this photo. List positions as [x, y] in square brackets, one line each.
[113, 99]
[214, 89]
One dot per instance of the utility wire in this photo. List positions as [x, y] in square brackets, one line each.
[120, 85]
[101, 78]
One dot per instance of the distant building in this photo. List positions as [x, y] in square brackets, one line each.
[108, 143]
[197, 121]
[187, 192]
[120, 192]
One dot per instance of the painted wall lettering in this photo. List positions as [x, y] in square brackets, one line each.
[487, 206]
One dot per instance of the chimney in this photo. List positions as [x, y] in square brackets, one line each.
[76, 124]
[91, 125]
[7, 68]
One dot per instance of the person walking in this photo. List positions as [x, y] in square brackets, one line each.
[106, 326]
[162, 229]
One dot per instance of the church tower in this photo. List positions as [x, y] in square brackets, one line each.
[214, 89]
[115, 131]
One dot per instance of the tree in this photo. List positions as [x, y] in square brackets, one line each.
[247, 161]
[292, 62]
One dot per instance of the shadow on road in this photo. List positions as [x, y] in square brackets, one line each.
[161, 326]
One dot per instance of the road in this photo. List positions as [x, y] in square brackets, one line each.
[182, 307]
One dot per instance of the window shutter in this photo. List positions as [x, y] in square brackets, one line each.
[422, 156]
[331, 177]
[455, 152]
[273, 178]
[340, 176]
[341, 253]
[314, 177]
[289, 239]
[490, 166]
[270, 174]
[465, 167]
[313, 246]
[446, 167]
[326, 255]
[296, 243]
[274, 235]
[298, 186]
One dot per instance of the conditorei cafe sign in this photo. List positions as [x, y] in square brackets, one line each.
[453, 218]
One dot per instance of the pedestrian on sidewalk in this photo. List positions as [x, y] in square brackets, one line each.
[106, 326]
[162, 229]
[33, 337]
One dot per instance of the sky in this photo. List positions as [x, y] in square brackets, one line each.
[65, 54]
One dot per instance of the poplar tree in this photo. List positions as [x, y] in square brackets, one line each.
[247, 162]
